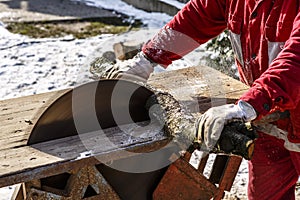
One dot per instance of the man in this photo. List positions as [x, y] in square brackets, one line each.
[265, 36]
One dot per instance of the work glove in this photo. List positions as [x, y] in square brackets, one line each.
[139, 66]
[211, 123]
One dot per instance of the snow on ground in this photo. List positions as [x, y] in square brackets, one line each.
[6, 192]
[31, 66]
[152, 20]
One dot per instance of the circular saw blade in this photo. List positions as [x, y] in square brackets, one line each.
[103, 98]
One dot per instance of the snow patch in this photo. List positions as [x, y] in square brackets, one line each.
[150, 19]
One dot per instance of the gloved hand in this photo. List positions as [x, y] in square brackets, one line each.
[211, 123]
[138, 66]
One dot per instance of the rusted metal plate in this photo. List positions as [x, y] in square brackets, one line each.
[182, 181]
[218, 168]
[228, 175]
[230, 172]
[202, 164]
[224, 170]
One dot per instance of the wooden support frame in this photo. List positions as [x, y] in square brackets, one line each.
[85, 183]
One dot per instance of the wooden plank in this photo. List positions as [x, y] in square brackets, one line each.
[18, 115]
[41, 158]
[197, 88]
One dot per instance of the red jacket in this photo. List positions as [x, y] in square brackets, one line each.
[265, 36]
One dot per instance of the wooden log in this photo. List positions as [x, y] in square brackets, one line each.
[126, 50]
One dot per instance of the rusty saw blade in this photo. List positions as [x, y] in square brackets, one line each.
[107, 100]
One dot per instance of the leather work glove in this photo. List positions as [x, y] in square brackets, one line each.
[212, 122]
[139, 66]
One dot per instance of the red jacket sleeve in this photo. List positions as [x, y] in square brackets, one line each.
[195, 24]
[278, 88]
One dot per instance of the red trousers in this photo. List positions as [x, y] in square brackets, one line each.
[273, 170]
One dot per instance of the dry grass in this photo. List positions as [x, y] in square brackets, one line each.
[78, 28]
